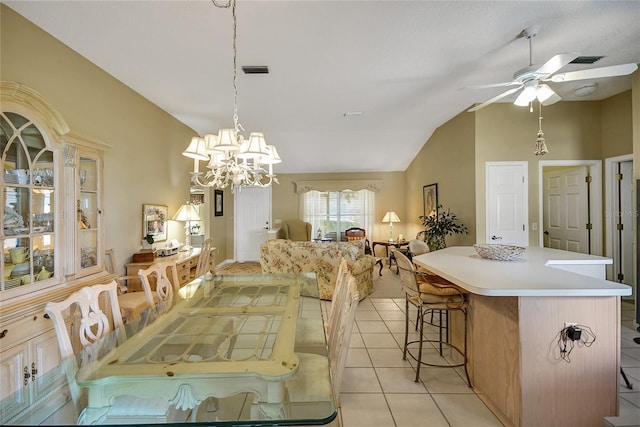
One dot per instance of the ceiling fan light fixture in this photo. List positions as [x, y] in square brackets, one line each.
[527, 95]
[586, 90]
[543, 92]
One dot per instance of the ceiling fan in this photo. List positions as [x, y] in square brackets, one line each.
[531, 79]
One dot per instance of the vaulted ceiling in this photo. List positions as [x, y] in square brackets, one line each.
[404, 65]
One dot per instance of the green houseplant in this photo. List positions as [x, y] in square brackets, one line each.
[437, 227]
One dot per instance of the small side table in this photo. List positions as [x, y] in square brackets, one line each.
[386, 245]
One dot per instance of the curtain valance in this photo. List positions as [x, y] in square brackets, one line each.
[337, 185]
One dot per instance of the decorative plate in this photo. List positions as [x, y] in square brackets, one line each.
[499, 252]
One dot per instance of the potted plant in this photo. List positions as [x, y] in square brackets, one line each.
[147, 242]
[440, 225]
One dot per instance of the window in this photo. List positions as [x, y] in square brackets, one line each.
[332, 212]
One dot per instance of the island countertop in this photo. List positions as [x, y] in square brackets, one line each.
[531, 275]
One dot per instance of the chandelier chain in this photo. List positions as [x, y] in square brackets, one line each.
[235, 67]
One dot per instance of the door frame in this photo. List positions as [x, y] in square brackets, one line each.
[595, 196]
[610, 201]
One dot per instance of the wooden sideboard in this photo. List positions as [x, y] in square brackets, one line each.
[185, 261]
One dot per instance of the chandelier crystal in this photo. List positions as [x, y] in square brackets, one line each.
[231, 159]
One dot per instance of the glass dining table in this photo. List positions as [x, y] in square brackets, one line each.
[218, 352]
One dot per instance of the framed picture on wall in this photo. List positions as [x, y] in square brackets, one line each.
[154, 222]
[430, 199]
[218, 198]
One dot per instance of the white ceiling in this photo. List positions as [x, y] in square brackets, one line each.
[404, 64]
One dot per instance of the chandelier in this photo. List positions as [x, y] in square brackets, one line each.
[231, 159]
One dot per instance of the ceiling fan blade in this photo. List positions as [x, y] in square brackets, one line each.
[546, 95]
[494, 99]
[556, 62]
[595, 73]
[504, 84]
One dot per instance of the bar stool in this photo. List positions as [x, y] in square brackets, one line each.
[429, 294]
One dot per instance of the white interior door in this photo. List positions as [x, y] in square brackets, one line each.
[252, 216]
[507, 203]
[566, 209]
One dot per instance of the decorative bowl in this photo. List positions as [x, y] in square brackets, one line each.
[499, 252]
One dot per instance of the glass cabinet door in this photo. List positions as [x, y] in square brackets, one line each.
[28, 195]
[89, 218]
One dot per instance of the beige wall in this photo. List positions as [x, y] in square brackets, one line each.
[505, 132]
[617, 125]
[144, 164]
[456, 153]
[448, 160]
[285, 200]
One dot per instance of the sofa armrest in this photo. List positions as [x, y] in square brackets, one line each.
[363, 263]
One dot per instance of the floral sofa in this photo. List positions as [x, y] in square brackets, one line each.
[285, 256]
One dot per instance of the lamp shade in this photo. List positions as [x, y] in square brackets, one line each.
[227, 141]
[391, 216]
[273, 157]
[256, 147]
[196, 149]
[186, 213]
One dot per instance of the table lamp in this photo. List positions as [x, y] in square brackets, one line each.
[391, 217]
[187, 213]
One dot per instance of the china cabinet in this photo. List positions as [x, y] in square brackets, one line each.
[52, 233]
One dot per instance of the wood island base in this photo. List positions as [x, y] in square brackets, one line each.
[515, 364]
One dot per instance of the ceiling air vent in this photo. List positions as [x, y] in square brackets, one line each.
[586, 59]
[255, 69]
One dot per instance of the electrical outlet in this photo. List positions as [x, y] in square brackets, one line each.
[567, 324]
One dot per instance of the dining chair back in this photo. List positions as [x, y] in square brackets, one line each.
[98, 333]
[93, 324]
[306, 384]
[340, 332]
[131, 302]
[204, 257]
[166, 275]
[310, 338]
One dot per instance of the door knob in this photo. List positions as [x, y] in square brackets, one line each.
[546, 233]
[496, 238]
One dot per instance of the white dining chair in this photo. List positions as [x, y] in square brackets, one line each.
[312, 338]
[92, 332]
[166, 281]
[206, 252]
[132, 303]
[309, 384]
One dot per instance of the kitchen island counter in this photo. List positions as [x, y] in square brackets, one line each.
[517, 311]
[539, 272]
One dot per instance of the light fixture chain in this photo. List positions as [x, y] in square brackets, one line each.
[235, 66]
[540, 118]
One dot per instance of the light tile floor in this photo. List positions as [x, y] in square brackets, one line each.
[378, 387]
